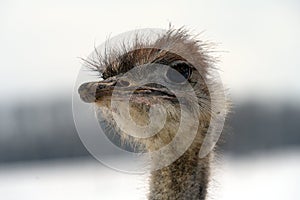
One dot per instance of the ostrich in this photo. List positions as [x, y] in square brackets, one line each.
[188, 176]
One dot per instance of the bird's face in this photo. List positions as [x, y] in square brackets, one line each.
[144, 78]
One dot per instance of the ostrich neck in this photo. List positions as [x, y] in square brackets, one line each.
[186, 178]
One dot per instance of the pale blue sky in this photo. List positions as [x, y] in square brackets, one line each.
[40, 41]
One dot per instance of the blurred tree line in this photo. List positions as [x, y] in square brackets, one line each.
[46, 130]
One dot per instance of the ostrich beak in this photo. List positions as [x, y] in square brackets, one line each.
[91, 92]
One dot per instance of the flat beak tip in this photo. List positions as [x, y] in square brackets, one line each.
[85, 93]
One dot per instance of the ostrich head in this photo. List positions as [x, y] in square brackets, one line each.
[176, 67]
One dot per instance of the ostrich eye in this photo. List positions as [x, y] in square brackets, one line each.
[183, 72]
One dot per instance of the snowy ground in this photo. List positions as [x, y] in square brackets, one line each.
[270, 176]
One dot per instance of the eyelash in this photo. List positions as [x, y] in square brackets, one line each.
[181, 67]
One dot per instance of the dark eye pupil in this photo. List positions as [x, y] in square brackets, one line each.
[179, 72]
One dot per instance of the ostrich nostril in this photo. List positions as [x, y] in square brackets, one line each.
[123, 83]
[101, 86]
